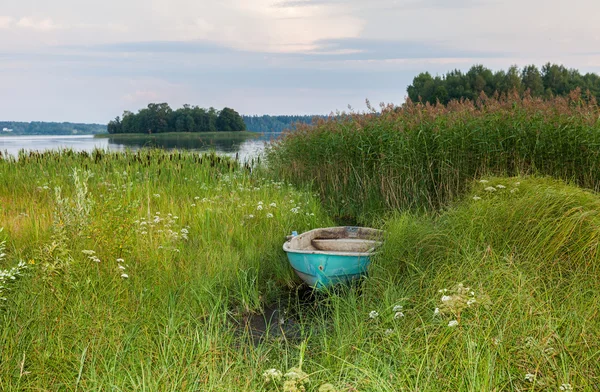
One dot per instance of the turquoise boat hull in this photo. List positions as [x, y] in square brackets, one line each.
[335, 255]
[323, 270]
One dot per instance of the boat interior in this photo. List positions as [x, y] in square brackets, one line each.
[337, 239]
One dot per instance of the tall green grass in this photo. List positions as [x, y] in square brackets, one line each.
[422, 156]
[199, 239]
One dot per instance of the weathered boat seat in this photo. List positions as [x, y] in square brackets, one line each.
[345, 244]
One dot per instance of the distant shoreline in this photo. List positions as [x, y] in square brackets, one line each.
[182, 135]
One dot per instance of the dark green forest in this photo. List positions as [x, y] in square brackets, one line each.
[160, 118]
[8, 128]
[549, 81]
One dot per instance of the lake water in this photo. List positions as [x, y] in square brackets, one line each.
[245, 149]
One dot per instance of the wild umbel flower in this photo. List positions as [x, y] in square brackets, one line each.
[500, 186]
[483, 181]
[436, 312]
[272, 205]
[295, 210]
[397, 308]
[120, 261]
[272, 375]
[269, 215]
[446, 298]
[373, 314]
[530, 377]
[398, 315]
[122, 268]
[259, 207]
[124, 276]
[476, 198]
[490, 189]
[565, 387]
[452, 323]
[388, 332]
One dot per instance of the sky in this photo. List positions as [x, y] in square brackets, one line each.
[89, 60]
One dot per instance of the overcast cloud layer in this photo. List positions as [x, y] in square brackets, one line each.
[87, 61]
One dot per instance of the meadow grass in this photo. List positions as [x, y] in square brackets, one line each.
[512, 273]
[421, 157]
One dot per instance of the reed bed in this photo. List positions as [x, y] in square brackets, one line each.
[421, 156]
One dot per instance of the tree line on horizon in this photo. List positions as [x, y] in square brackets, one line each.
[160, 118]
[16, 128]
[549, 81]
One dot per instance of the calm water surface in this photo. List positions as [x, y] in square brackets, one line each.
[244, 149]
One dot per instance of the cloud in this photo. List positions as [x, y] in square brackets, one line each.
[5, 22]
[140, 96]
[45, 24]
[381, 49]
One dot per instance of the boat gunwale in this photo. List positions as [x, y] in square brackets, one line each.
[371, 252]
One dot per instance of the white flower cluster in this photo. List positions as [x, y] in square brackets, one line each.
[455, 301]
[160, 226]
[91, 255]
[294, 379]
[9, 275]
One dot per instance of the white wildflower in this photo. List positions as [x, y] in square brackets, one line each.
[250, 216]
[398, 315]
[565, 387]
[260, 203]
[124, 276]
[272, 375]
[436, 311]
[483, 181]
[373, 314]
[471, 301]
[517, 183]
[389, 332]
[453, 323]
[156, 195]
[120, 260]
[196, 197]
[397, 308]
[476, 198]
[514, 190]
[269, 215]
[259, 207]
[122, 268]
[530, 377]
[273, 205]
[446, 298]
[295, 210]
[490, 189]
[88, 252]
[500, 186]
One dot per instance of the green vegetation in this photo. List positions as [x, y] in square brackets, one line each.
[552, 80]
[12, 128]
[133, 272]
[145, 270]
[422, 156]
[160, 118]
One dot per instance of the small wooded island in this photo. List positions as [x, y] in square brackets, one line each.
[160, 118]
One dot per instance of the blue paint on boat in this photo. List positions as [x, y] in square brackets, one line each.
[325, 270]
[346, 261]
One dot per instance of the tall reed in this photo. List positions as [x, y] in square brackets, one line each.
[421, 156]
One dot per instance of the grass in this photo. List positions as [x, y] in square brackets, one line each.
[421, 157]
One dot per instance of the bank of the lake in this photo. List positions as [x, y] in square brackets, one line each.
[243, 135]
[243, 145]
